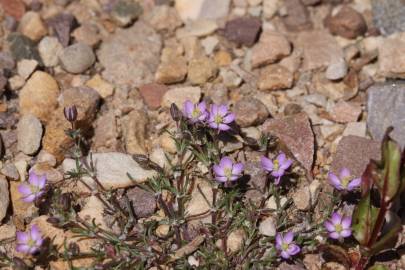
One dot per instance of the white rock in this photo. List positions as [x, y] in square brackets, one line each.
[270, 8]
[180, 94]
[302, 198]
[49, 49]
[209, 44]
[29, 134]
[235, 240]
[336, 70]
[267, 227]
[93, 210]
[4, 197]
[202, 9]
[316, 99]
[271, 203]
[356, 129]
[314, 189]
[26, 67]
[197, 28]
[112, 170]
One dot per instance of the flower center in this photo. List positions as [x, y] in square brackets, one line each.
[228, 172]
[34, 189]
[338, 228]
[346, 180]
[218, 119]
[196, 113]
[276, 165]
[284, 246]
[31, 242]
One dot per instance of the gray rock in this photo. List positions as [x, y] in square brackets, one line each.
[389, 16]
[10, 171]
[112, 170]
[131, 56]
[4, 197]
[29, 134]
[386, 107]
[77, 58]
[62, 24]
[143, 202]
[302, 198]
[22, 47]
[336, 70]
[124, 12]
[49, 48]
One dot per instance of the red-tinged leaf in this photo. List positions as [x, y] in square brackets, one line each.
[402, 176]
[388, 240]
[14, 8]
[368, 178]
[364, 218]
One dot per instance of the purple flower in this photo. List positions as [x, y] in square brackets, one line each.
[286, 246]
[345, 181]
[195, 112]
[338, 226]
[277, 167]
[227, 171]
[29, 242]
[220, 117]
[34, 188]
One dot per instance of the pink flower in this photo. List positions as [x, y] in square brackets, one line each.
[345, 181]
[286, 246]
[195, 112]
[338, 226]
[227, 171]
[277, 167]
[220, 117]
[29, 242]
[34, 188]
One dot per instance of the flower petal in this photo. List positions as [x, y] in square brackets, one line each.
[336, 218]
[214, 125]
[344, 173]
[218, 170]
[329, 226]
[188, 108]
[223, 127]
[335, 181]
[286, 164]
[222, 179]
[277, 181]
[354, 184]
[293, 249]
[24, 248]
[222, 110]
[285, 255]
[229, 118]
[288, 237]
[29, 199]
[22, 237]
[281, 157]
[346, 233]
[279, 239]
[33, 179]
[24, 189]
[267, 163]
[278, 173]
[346, 222]
[214, 110]
[226, 162]
[237, 168]
[35, 233]
[334, 235]
[202, 106]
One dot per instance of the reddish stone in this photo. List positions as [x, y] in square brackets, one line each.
[354, 153]
[296, 133]
[347, 23]
[346, 112]
[14, 8]
[63, 24]
[152, 94]
[243, 31]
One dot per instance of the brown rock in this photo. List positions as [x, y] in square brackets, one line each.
[14, 8]
[104, 88]
[297, 18]
[235, 240]
[355, 153]
[4, 198]
[201, 70]
[275, 77]
[243, 31]
[257, 180]
[87, 33]
[32, 26]
[106, 133]
[39, 96]
[346, 112]
[55, 141]
[143, 202]
[334, 90]
[152, 94]
[134, 126]
[173, 67]
[320, 49]
[296, 133]
[391, 57]
[271, 47]
[347, 23]
[250, 111]
[22, 211]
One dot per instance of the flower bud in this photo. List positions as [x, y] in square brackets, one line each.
[175, 112]
[70, 113]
